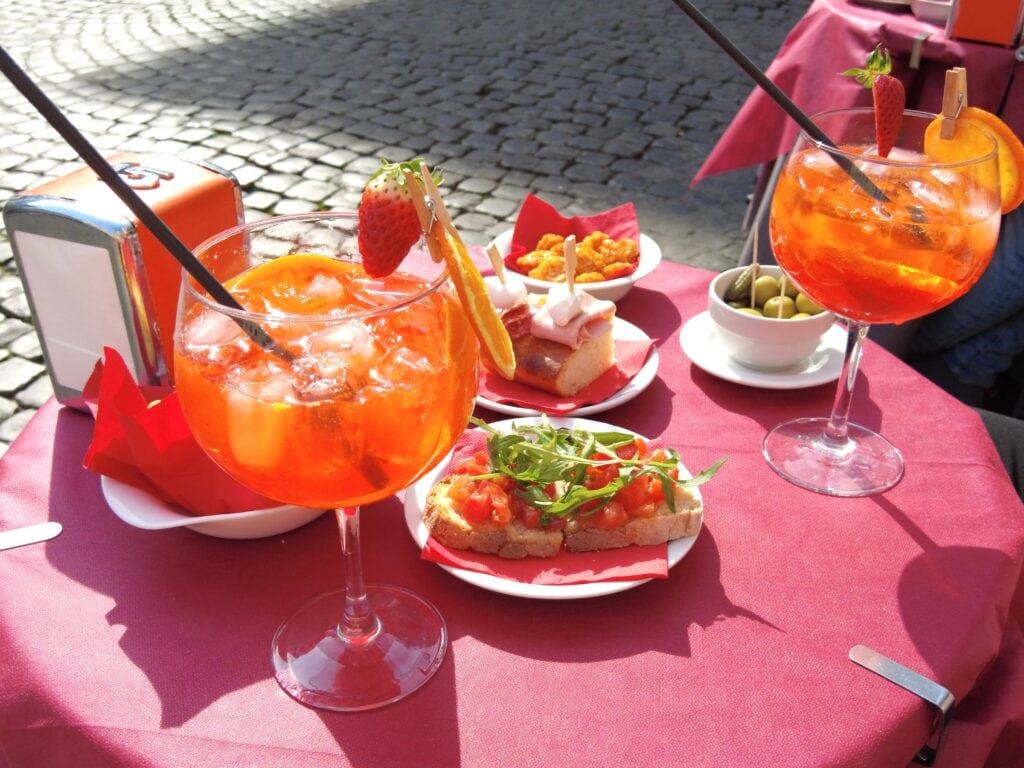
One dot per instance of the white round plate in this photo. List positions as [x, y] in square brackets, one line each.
[641, 380]
[698, 341]
[144, 510]
[610, 290]
[416, 498]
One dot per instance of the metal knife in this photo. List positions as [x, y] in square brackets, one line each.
[29, 534]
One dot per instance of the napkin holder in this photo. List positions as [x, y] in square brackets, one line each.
[997, 22]
[95, 277]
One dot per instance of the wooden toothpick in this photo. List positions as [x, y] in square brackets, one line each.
[755, 269]
[496, 262]
[569, 254]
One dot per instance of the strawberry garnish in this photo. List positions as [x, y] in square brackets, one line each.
[388, 223]
[888, 95]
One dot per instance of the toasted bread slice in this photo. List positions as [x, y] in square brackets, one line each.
[516, 541]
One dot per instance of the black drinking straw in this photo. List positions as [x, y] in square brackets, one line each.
[778, 96]
[130, 198]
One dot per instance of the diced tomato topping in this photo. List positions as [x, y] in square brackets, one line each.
[642, 496]
[476, 508]
[611, 515]
[637, 449]
[477, 464]
[528, 513]
[598, 476]
[501, 510]
[647, 509]
[480, 501]
[459, 488]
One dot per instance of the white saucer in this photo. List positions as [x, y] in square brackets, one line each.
[641, 380]
[698, 341]
[143, 510]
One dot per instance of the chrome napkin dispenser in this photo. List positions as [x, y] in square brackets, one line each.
[95, 277]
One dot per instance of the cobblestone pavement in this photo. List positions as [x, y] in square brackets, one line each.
[588, 103]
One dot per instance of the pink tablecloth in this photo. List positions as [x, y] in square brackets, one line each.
[125, 647]
[835, 35]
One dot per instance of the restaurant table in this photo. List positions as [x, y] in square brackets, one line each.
[129, 647]
[835, 35]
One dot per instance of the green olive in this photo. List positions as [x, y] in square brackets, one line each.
[799, 316]
[737, 304]
[804, 304]
[791, 289]
[781, 307]
[750, 311]
[765, 287]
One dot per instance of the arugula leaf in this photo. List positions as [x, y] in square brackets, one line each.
[540, 457]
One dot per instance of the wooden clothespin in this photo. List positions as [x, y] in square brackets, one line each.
[431, 209]
[569, 254]
[954, 98]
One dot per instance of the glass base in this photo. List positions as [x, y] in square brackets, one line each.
[321, 668]
[864, 464]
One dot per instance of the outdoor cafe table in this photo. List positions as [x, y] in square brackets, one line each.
[125, 647]
[835, 35]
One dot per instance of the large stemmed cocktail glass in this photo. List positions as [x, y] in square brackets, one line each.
[875, 240]
[375, 386]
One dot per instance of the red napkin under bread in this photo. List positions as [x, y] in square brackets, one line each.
[538, 218]
[630, 357]
[625, 564]
[141, 438]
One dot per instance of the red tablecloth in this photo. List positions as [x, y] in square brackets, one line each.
[835, 35]
[124, 647]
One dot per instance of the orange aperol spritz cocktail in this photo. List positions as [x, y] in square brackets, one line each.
[875, 240]
[372, 385]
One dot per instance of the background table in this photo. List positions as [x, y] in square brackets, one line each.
[835, 35]
[124, 647]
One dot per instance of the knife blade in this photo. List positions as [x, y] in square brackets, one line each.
[29, 534]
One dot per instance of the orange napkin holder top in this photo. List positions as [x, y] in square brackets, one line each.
[95, 277]
[986, 21]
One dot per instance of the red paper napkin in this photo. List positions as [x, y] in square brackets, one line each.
[630, 357]
[625, 564]
[141, 438]
[538, 218]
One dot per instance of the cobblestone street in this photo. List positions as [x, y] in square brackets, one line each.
[588, 103]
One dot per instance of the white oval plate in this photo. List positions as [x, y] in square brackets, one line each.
[641, 380]
[144, 510]
[416, 498]
[610, 290]
[698, 341]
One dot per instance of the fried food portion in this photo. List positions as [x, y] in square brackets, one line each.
[598, 258]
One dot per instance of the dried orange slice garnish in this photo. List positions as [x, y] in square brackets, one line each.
[446, 245]
[469, 284]
[1010, 150]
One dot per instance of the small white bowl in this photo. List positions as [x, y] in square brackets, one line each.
[143, 510]
[934, 11]
[762, 343]
[609, 290]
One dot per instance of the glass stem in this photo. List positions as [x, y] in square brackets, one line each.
[359, 624]
[836, 434]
